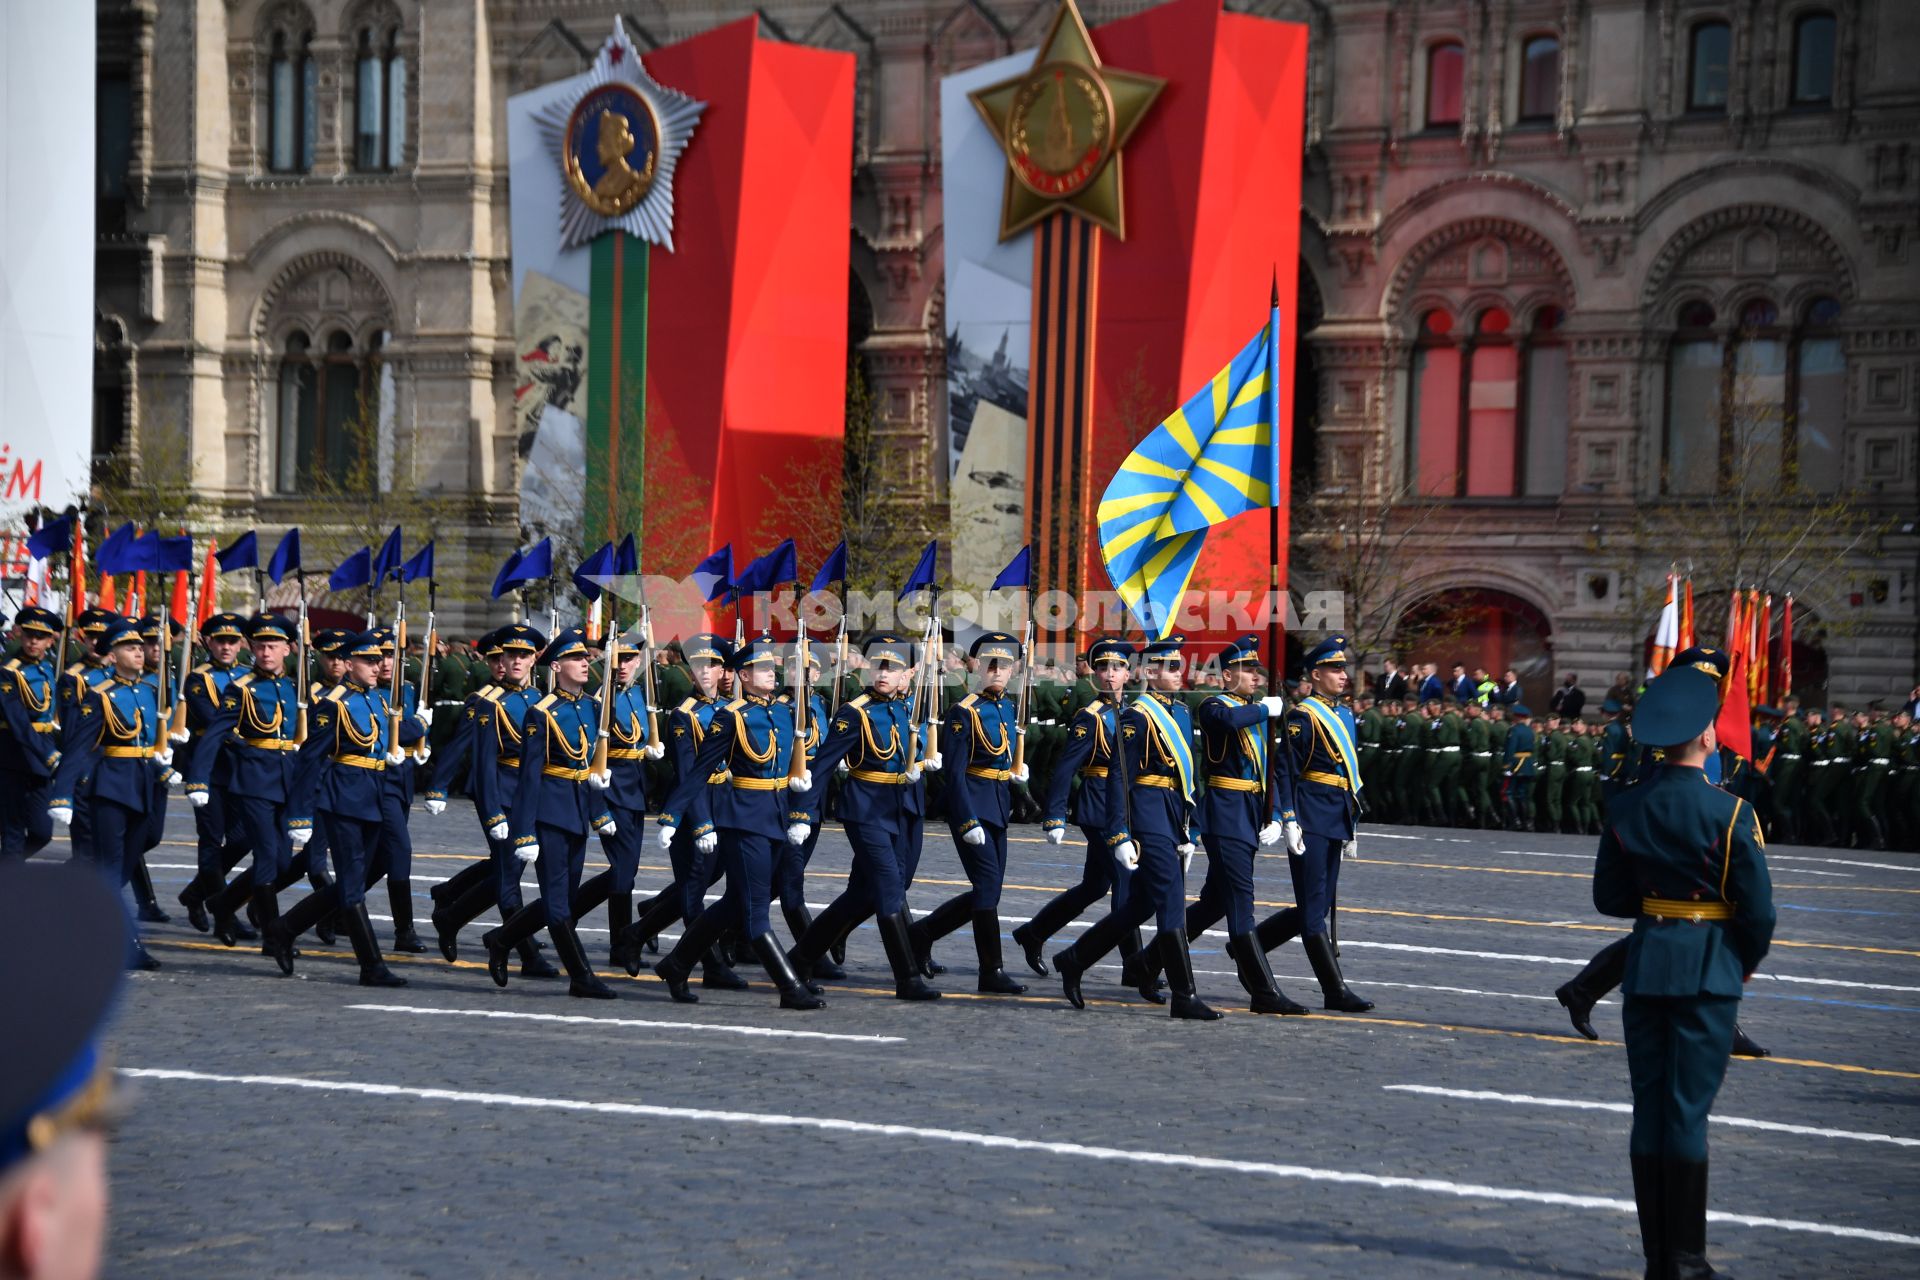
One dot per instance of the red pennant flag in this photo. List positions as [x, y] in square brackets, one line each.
[77, 572]
[108, 600]
[209, 588]
[1734, 727]
[1785, 665]
[139, 596]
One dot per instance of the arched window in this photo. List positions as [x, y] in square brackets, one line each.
[1446, 84]
[1433, 407]
[1694, 375]
[292, 104]
[1493, 407]
[297, 402]
[1487, 409]
[1813, 444]
[329, 407]
[380, 101]
[1751, 440]
[1539, 80]
[1813, 36]
[1709, 66]
[1543, 450]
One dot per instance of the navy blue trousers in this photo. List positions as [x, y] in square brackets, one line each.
[986, 865]
[748, 858]
[563, 854]
[263, 825]
[25, 825]
[358, 855]
[878, 880]
[1316, 880]
[1227, 892]
[693, 874]
[506, 875]
[790, 870]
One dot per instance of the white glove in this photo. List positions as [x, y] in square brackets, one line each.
[1056, 834]
[424, 754]
[975, 835]
[498, 831]
[164, 757]
[526, 852]
[609, 828]
[1186, 856]
[1127, 855]
[436, 807]
[797, 833]
[1021, 774]
[170, 779]
[1296, 839]
[655, 750]
[299, 836]
[801, 782]
[199, 799]
[396, 757]
[666, 837]
[913, 774]
[180, 735]
[1350, 848]
[1270, 834]
[600, 781]
[932, 763]
[708, 842]
[425, 716]
[1276, 707]
[61, 814]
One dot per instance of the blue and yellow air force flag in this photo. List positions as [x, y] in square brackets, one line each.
[1214, 458]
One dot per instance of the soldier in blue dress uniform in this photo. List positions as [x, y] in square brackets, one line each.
[554, 811]
[112, 756]
[625, 786]
[882, 806]
[791, 860]
[219, 834]
[396, 798]
[1519, 766]
[1685, 861]
[91, 669]
[737, 792]
[29, 734]
[1150, 784]
[493, 781]
[162, 636]
[1086, 758]
[248, 744]
[1241, 810]
[1326, 803]
[456, 767]
[337, 782]
[695, 858]
[977, 741]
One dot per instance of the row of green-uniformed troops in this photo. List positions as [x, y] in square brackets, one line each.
[1846, 780]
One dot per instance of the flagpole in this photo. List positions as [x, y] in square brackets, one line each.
[1276, 626]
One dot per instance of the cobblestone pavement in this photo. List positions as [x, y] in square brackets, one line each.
[310, 1127]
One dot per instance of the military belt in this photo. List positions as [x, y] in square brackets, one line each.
[991, 775]
[1880, 760]
[1161, 780]
[1443, 748]
[739, 783]
[271, 744]
[1675, 909]
[1094, 771]
[508, 762]
[128, 753]
[1237, 784]
[1483, 755]
[377, 764]
[624, 753]
[1583, 768]
[45, 726]
[1790, 755]
[561, 771]
[1326, 779]
[879, 776]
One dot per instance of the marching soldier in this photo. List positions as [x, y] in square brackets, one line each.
[1520, 770]
[337, 785]
[218, 848]
[1581, 790]
[1150, 800]
[1551, 774]
[1086, 759]
[456, 767]
[554, 810]
[1873, 762]
[112, 758]
[977, 749]
[737, 792]
[452, 682]
[790, 860]
[1476, 767]
[396, 797]
[1613, 759]
[625, 786]
[30, 745]
[695, 859]
[1326, 801]
[1787, 775]
[159, 634]
[248, 743]
[882, 808]
[1498, 728]
[1242, 808]
[1685, 861]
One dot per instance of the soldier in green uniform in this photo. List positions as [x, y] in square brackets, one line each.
[1413, 758]
[1873, 762]
[1497, 730]
[1403, 730]
[1583, 786]
[1441, 742]
[1813, 823]
[1903, 799]
[479, 674]
[1476, 767]
[451, 685]
[1084, 693]
[1685, 861]
[1843, 745]
[1370, 729]
[1787, 776]
[1520, 768]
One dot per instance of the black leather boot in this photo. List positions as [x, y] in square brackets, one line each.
[1179, 966]
[1582, 991]
[400, 896]
[715, 972]
[226, 905]
[1684, 1195]
[812, 945]
[1281, 927]
[266, 908]
[1256, 975]
[455, 912]
[986, 945]
[935, 925]
[800, 923]
[675, 967]
[655, 914]
[1333, 987]
[1032, 944]
[907, 982]
[142, 880]
[792, 994]
[583, 983]
[194, 899]
[1073, 963]
[1140, 966]
[513, 934]
[1647, 1200]
[453, 887]
[619, 917]
[373, 970]
[1744, 1046]
[532, 963]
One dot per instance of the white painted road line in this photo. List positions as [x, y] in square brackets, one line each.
[655, 1023]
[1626, 1108]
[1846, 862]
[1003, 1142]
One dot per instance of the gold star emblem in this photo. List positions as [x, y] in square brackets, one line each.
[1062, 126]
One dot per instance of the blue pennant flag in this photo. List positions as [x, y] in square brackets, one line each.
[386, 562]
[714, 575]
[243, 554]
[421, 566]
[355, 571]
[770, 572]
[286, 557]
[116, 553]
[627, 559]
[55, 535]
[524, 566]
[834, 570]
[588, 578]
[164, 555]
[1214, 458]
[922, 575]
[1018, 575]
